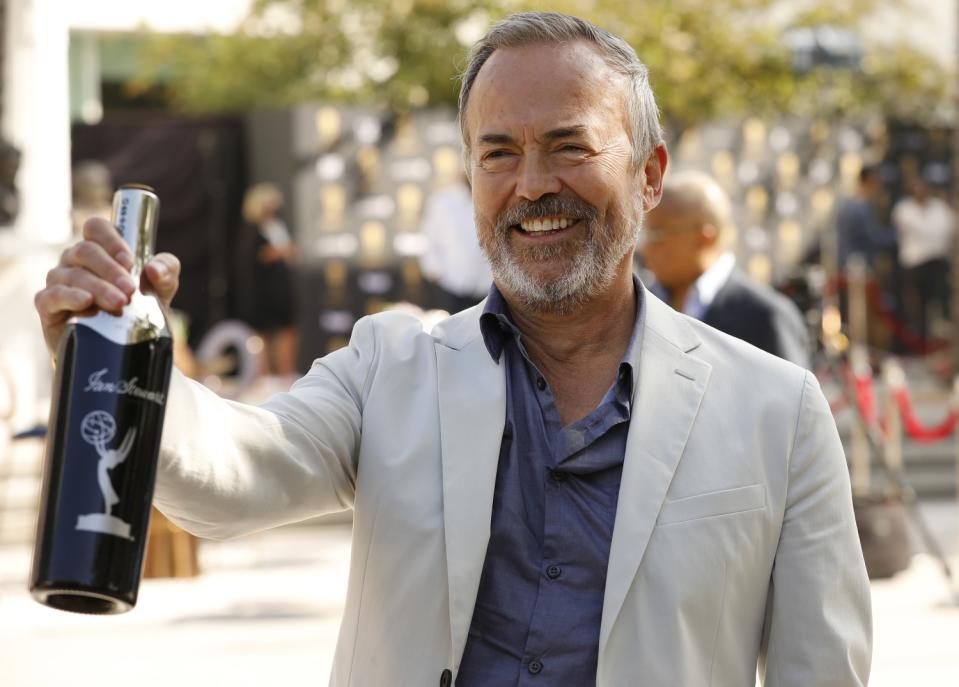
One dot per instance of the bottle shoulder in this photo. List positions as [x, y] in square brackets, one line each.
[143, 319]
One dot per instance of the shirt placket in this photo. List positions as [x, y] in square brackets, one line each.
[537, 668]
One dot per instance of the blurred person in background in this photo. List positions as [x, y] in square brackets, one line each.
[926, 226]
[859, 229]
[686, 247]
[487, 461]
[9, 195]
[861, 232]
[266, 279]
[453, 262]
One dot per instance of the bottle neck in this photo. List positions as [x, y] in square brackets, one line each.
[135, 216]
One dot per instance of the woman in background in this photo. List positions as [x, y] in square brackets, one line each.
[269, 303]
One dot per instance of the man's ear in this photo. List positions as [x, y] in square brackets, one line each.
[709, 235]
[653, 172]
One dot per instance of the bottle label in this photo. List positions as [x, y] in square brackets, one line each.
[113, 423]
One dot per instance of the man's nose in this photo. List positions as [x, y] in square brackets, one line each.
[536, 178]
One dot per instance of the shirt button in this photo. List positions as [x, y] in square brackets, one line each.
[535, 667]
[553, 572]
[540, 383]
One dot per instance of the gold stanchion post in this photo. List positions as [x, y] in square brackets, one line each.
[859, 358]
[894, 379]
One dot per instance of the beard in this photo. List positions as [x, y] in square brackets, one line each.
[590, 260]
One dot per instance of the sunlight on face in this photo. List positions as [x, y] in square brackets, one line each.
[554, 185]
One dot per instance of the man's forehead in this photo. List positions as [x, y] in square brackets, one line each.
[573, 58]
[557, 88]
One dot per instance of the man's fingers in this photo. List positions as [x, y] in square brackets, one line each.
[163, 275]
[59, 302]
[101, 232]
[105, 295]
[94, 276]
[56, 305]
[94, 258]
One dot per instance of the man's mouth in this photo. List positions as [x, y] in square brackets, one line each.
[545, 225]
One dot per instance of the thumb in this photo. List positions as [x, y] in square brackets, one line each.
[163, 276]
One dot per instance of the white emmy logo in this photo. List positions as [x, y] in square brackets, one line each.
[97, 429]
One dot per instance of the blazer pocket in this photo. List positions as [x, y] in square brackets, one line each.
[725, 502]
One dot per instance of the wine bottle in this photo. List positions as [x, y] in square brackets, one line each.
[106, 417]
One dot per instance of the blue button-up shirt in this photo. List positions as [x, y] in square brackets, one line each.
[540, 600]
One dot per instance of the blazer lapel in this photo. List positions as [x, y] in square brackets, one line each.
[472, 409]
[669, 389]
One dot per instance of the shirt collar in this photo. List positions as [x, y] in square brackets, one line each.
[703, 291]
[713, 279]
[496, 324]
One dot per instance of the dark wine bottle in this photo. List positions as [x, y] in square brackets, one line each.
[106, 417]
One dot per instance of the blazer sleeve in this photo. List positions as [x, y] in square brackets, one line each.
[228, 469]
[818, 629]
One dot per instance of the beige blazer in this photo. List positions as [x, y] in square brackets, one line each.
[734, 540]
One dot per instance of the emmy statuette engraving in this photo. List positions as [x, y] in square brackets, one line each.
[98, 428]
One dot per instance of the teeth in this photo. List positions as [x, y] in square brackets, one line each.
[546, 224]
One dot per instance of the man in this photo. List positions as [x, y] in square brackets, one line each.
[860, 232]
[686, 247]
[926, 226]
[453, 263]
[859, 229]
[487, 462]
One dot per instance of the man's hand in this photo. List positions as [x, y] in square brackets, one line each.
[94, 275]
[271, 254]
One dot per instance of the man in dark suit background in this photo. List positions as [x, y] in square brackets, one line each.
[686, 247]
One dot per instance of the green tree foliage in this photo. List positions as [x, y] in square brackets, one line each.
[707, 58]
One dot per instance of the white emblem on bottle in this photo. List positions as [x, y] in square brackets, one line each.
[97, 429]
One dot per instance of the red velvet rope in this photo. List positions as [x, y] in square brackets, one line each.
[866, 400]
[914, 427]
[917, 431]
[887, 316]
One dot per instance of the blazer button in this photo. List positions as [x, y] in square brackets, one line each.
[446, 678]
[535, 667]
[553, 572]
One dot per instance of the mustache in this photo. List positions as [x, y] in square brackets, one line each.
[545, 206]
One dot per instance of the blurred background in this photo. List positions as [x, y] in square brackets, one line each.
[306, 153]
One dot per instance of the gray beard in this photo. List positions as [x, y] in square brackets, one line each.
[591, 268]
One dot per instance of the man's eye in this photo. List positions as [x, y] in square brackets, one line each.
[496, 153]
[571, 148]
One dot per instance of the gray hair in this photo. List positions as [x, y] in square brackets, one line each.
[531, 28]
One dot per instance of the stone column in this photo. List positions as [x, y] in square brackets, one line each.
[35, 115]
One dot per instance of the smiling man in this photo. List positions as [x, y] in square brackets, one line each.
[569, 484]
